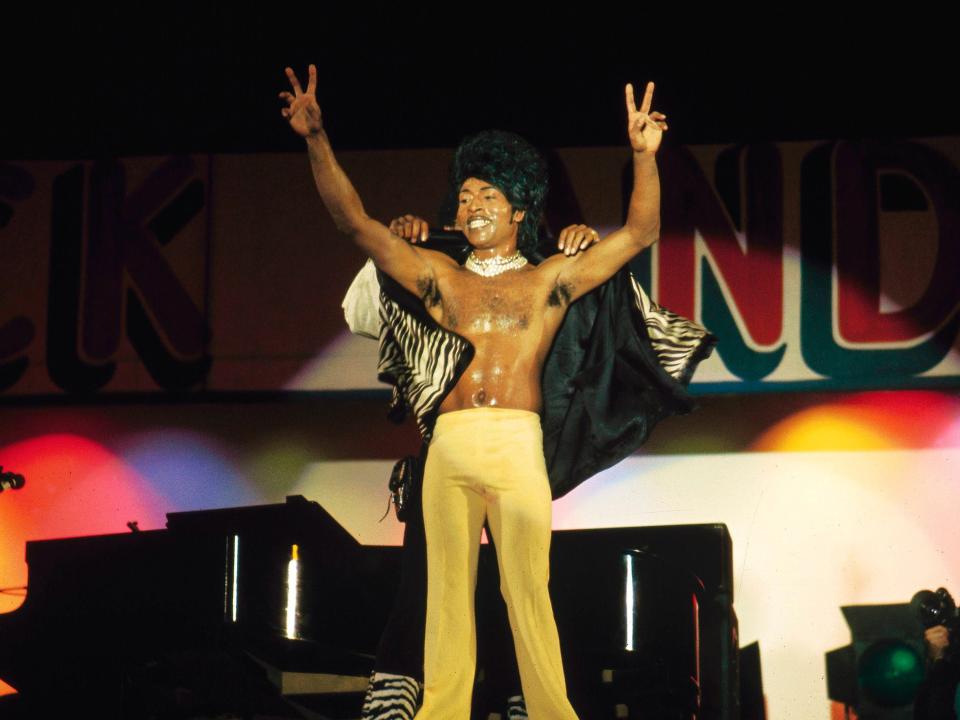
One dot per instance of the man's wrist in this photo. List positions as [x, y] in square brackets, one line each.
[644, 164]
[319, 137]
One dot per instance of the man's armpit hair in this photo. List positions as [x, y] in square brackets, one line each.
[561, 294]
[428, 290]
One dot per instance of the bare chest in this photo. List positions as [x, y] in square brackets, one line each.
[504, 305]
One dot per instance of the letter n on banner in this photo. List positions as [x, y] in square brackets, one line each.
[741, 268]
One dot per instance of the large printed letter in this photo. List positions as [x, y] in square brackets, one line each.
[17, 333]
[742, 280]
[118, 273]
[840, 237]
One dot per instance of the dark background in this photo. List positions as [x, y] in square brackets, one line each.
[155, 79]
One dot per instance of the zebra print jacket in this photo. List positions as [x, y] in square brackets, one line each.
[619, 365]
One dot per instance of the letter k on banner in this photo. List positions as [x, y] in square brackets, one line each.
[109, 274]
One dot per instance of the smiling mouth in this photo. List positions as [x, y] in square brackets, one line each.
[477, 222]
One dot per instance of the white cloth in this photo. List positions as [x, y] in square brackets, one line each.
[361, 304]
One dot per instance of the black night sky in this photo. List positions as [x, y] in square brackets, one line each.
[84, 83]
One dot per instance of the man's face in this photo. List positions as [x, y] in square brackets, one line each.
[485, 215]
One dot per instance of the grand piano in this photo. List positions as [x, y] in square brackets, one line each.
[275, 611]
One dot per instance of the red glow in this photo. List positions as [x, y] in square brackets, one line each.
[73, 487]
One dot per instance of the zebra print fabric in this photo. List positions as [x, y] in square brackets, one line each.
[391, 697]
[676, 340]
[516, 708]
[419, 360]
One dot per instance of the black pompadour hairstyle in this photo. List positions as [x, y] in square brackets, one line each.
[513, 166]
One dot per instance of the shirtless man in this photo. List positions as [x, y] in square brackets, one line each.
[486, 458]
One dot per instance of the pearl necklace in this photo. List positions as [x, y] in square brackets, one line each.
[495, 265]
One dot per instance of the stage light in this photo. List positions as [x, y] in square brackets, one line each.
[880, 672]
[890, 672]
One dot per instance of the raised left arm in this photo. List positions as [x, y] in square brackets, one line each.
[579, 275]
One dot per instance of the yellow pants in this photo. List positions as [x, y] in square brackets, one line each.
[488, 463]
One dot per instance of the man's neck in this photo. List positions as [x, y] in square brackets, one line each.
[504, 250]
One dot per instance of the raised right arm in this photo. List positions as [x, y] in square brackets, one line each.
[414, 268]
[391, 254]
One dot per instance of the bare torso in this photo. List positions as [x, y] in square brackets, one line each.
[511, 320]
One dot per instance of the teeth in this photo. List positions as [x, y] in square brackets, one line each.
[477, 222]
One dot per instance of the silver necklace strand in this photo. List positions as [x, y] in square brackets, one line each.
[495, 265]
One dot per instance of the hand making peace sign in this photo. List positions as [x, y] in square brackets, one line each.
[644, 128]
[302, 110]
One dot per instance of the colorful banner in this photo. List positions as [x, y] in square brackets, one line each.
[818, 265]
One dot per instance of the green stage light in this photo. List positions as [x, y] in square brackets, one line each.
[890, 672]
[879, 673]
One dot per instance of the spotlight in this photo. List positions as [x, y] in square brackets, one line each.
[880, 672]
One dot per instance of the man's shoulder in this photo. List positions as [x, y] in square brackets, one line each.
[553, 262]
[437, 258]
